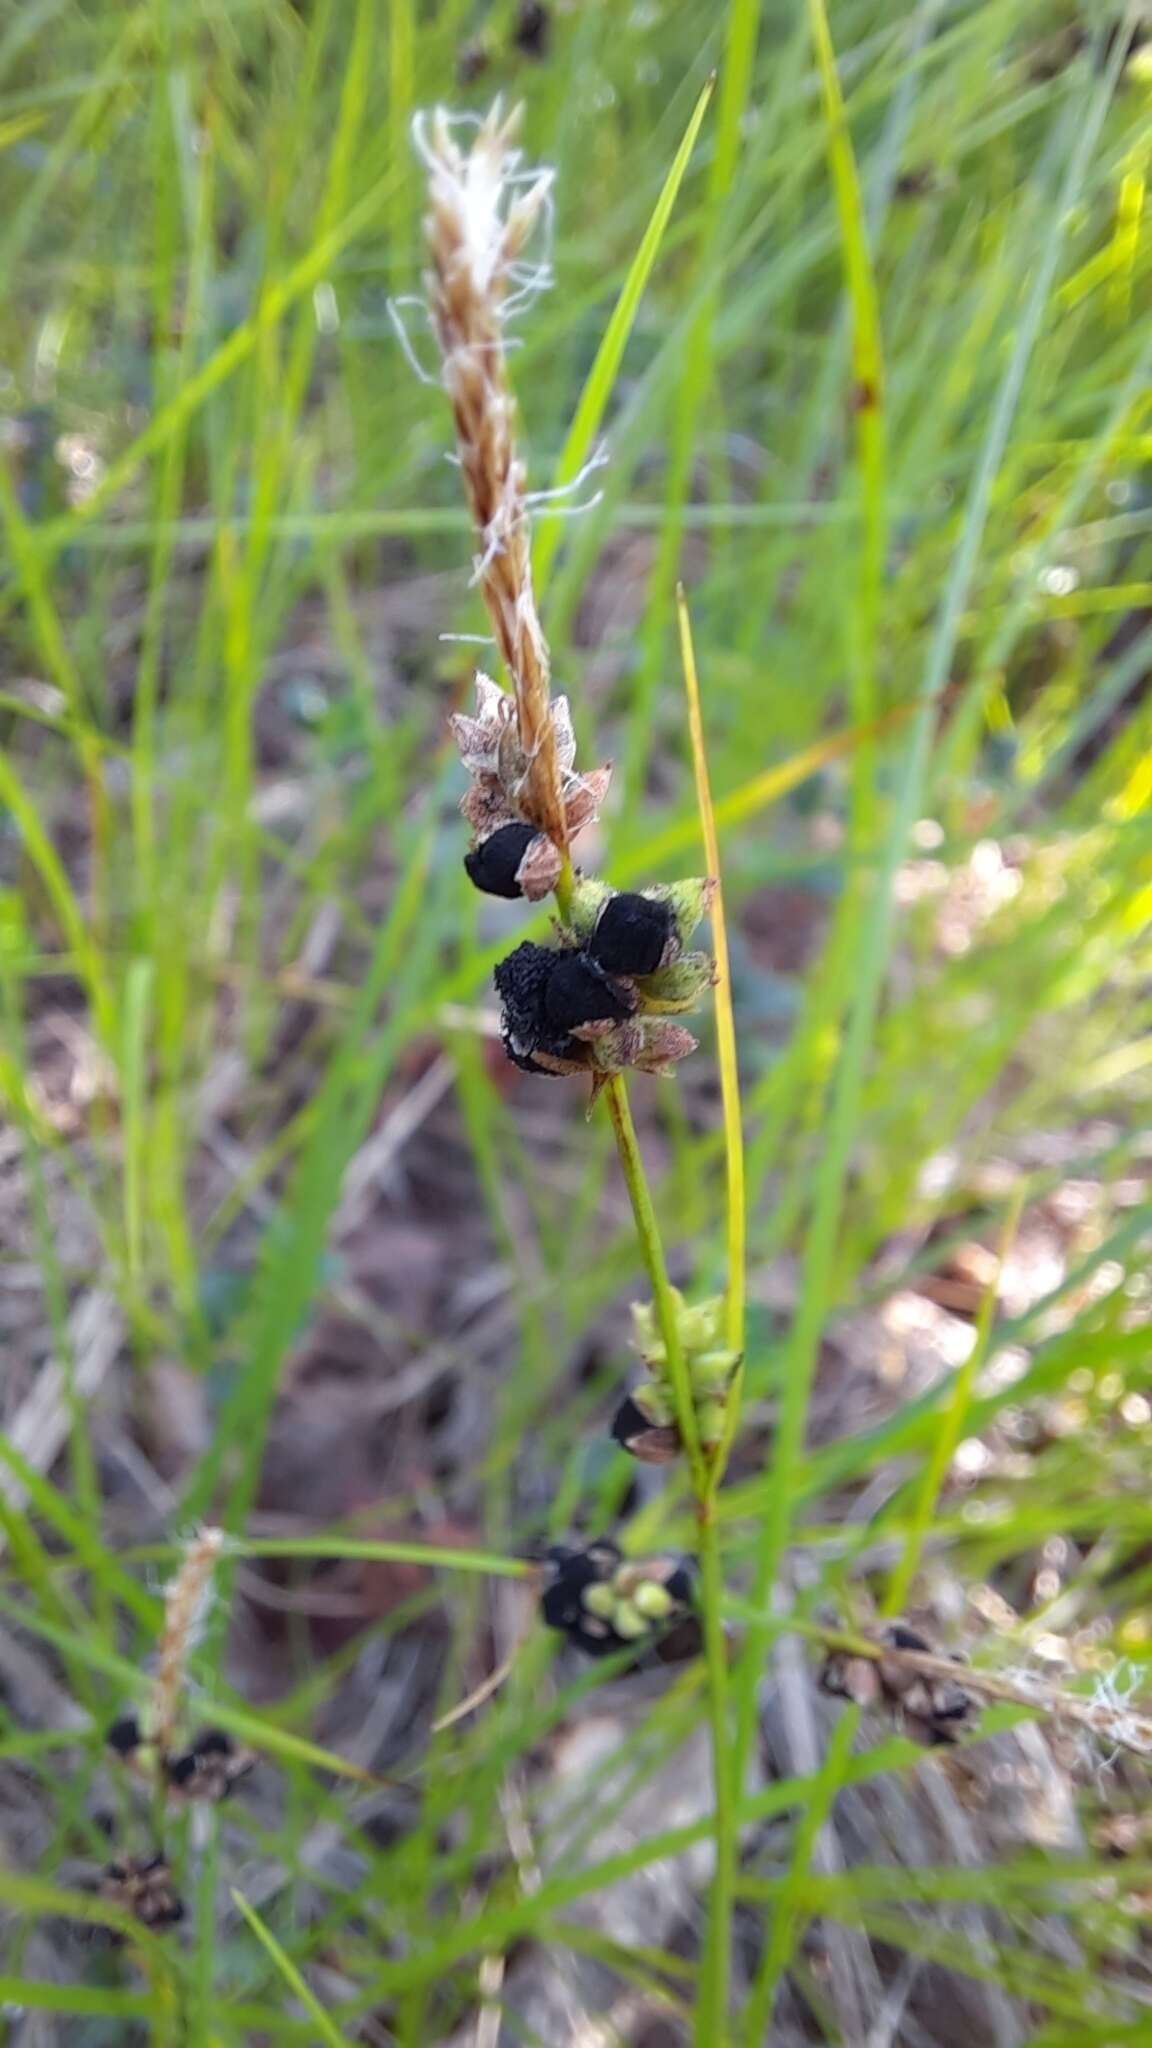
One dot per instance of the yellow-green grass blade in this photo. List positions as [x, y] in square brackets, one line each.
[606, 367]
[285, 1968]
[712, 2005]
[867, 398]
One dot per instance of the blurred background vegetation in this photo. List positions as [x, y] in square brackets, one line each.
[283, 1238]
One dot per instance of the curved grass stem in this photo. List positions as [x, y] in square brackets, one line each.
[656, 1266]
[712, 2005]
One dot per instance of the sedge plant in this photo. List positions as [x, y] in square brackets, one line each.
[602, 998]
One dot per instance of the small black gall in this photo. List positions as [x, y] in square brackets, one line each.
[533, 29]
[213, 1742]
[493, 865]
[124, 1735]
[899, 1636]
[652, 1442]
[632, 934]
[143, 1887]
[571, 1571]
[578, 991]
[520, 983]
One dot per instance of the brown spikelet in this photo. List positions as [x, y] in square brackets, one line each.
[185, 1605]
[478, 225]
[1107, 1715]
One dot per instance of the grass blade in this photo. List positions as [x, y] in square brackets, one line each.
[327, 2031]
[610, 354]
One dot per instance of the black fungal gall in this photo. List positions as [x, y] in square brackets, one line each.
[493, 865]
[210, 1768]
[545, 996]
[520, 984]
[124, 1735]
[632, 934]
[143, 1887]
[654, 1443]
[578, 991]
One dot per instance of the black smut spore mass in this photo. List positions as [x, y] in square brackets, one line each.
[579, 991]
[632, 934]
[124, 1735]
[521, 980]
[533, 29]
[491, 866]
[546, 995]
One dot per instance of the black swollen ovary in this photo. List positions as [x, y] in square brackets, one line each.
[632, 934]
[124, 1736]
[545, 996]
[578, 991]
[654, 1443]
[494, 864]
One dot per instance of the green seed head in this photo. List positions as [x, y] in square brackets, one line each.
[628, 1622]
[653, 1601]
[646, 1333]
[655, 1404]
[710, 1420]
[701, 1323]
[599, 1600]
[711, 1371]
[672, 990]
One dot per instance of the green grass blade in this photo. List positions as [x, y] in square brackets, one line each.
[326, 2029]
[605, 369]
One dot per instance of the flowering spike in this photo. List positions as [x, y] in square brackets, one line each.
[185, 1609]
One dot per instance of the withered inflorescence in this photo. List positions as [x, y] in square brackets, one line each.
[603, 996]
[933, 1710]
[143, 1887]
[207, 1769]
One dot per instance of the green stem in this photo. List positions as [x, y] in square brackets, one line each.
[712, 2011]
[565, 882]
[652, 1251]
[711, 2021]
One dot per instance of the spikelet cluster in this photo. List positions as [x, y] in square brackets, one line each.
[603, 996]
[186, 1605]
[481, 217]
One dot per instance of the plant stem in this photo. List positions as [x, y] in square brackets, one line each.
[652, 1251]
[565, 882]
[712, 2004]
[712, 2010]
